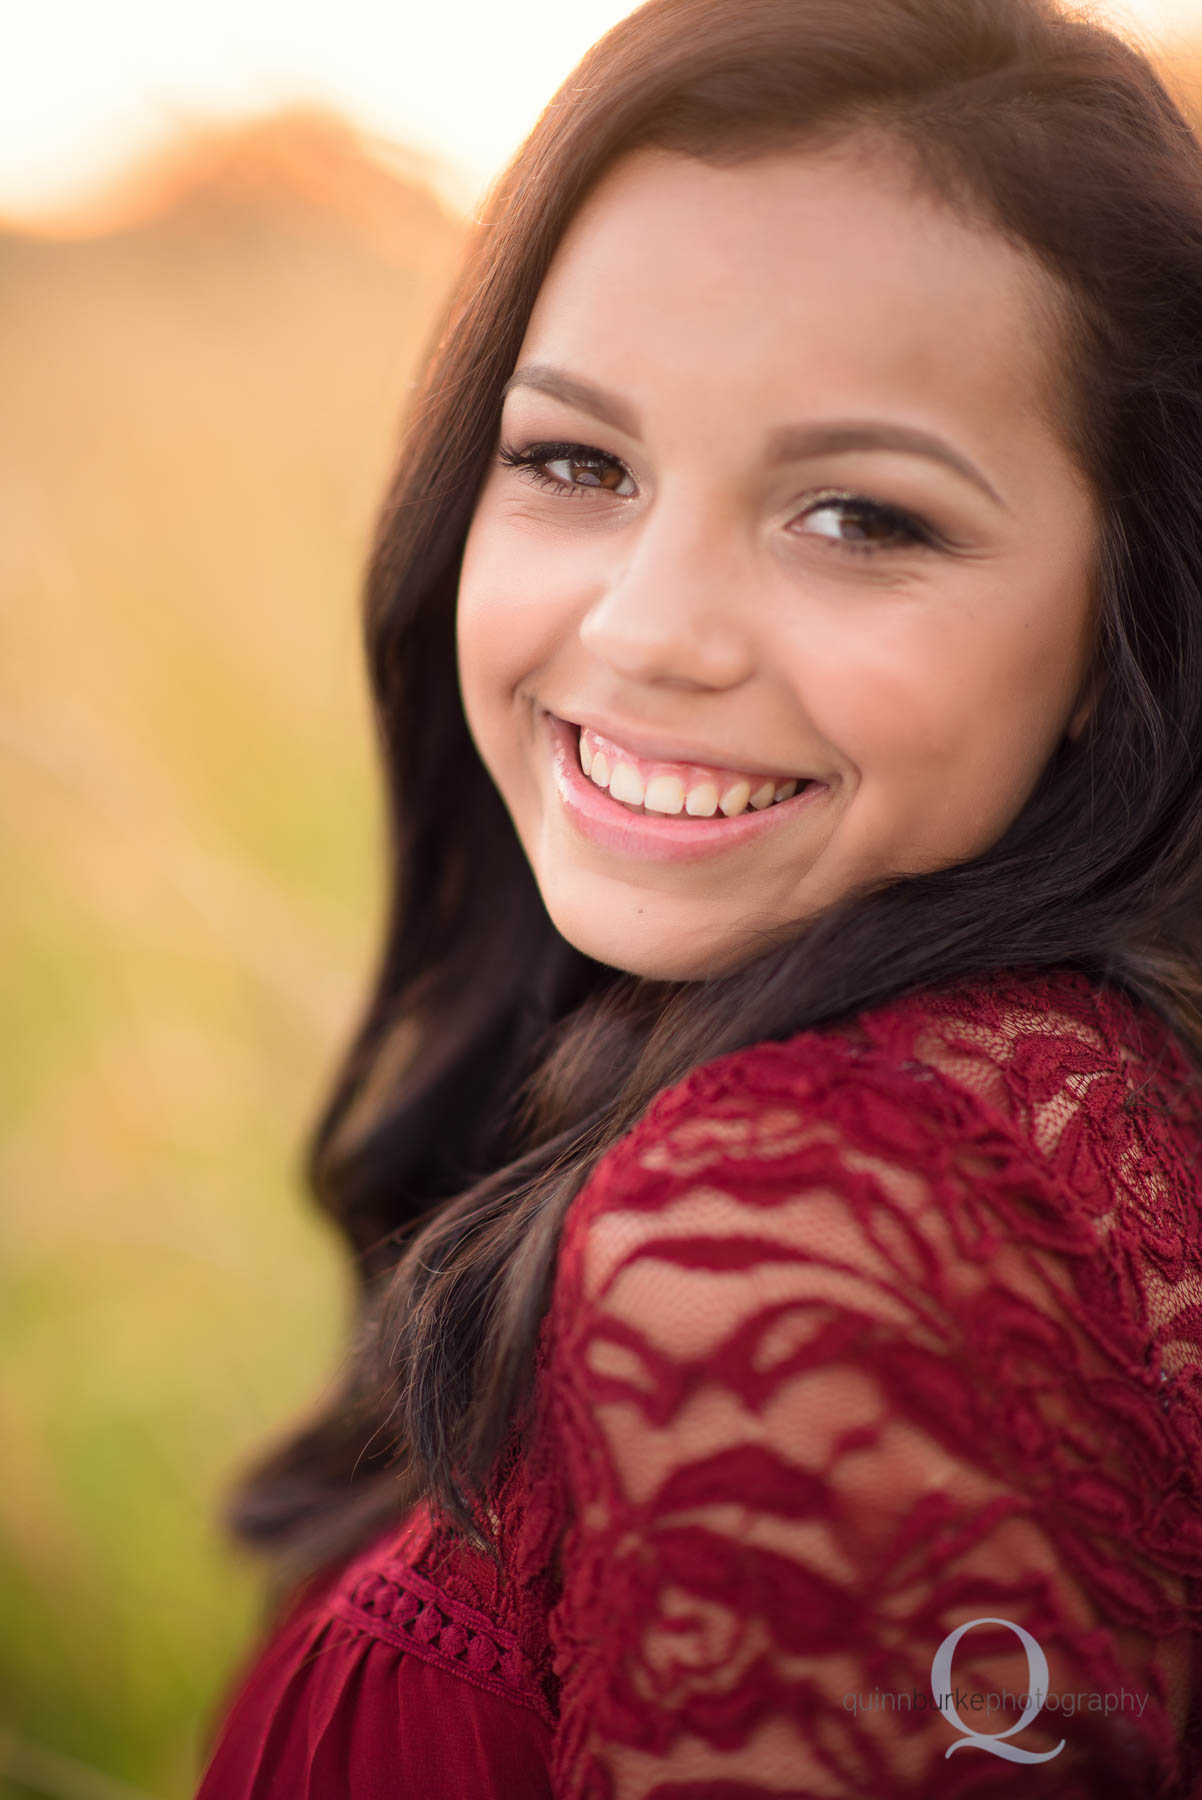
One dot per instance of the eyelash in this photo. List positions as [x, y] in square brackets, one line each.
[530, 461]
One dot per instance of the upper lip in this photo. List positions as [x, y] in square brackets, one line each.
[666, 749]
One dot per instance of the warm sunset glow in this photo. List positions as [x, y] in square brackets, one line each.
[85, 89]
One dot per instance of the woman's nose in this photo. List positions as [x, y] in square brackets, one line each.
[675, 605]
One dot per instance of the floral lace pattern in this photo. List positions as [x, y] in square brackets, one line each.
[858, 1338]
[867, 1349]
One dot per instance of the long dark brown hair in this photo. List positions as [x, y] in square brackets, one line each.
[494, 1063]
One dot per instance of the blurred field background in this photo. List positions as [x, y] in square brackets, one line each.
[203, 383]
[201, 399]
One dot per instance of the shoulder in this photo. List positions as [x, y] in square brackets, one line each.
[992, 1112]
[998, 1041]
[837, 1328]
[893, 1075]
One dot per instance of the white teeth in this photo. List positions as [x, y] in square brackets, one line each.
[627, 784]
[735, 799]
[665, 794]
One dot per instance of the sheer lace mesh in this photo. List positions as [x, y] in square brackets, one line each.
[855, 1339]
[861, 1337]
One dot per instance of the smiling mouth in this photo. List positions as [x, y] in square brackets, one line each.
[677, 790]
[636, 832]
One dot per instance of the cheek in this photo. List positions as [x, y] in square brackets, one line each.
[479, 640]
[936, 694]
[485, 615]
[509, 612]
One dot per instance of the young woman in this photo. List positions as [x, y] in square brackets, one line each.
[770, 1153]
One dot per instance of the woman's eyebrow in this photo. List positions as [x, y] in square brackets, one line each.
[785, 443]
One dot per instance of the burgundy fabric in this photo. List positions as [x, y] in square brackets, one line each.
[387, 1684]
[854, 1339]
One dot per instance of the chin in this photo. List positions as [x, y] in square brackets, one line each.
[641, 953]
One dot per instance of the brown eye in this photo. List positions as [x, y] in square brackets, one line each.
[585, 468]
[871, 527]
[595, 475]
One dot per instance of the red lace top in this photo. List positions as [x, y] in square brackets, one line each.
[868, 1458]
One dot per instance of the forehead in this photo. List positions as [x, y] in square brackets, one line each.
[830, 272]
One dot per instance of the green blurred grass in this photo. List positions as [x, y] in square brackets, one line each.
[198, 419]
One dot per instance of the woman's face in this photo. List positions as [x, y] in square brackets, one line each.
[810, 523]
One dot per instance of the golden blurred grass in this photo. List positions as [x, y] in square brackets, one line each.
[202, 389]
[202, 396]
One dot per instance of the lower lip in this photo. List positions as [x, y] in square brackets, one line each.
[666, 837]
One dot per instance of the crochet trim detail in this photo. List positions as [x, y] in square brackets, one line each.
[414, 1615]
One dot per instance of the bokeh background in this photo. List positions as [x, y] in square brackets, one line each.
[220, 251]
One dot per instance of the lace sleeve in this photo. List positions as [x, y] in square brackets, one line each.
[863, 1499]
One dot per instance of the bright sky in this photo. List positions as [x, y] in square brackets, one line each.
[86, 85]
